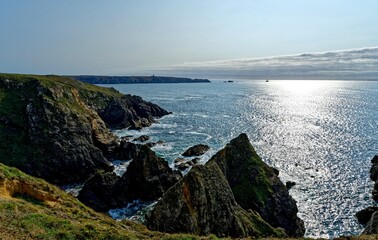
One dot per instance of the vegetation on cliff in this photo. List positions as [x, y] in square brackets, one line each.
[256, 185]
[57, 128]
[31, 208]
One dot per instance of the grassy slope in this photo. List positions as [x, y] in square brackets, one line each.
[30, 208]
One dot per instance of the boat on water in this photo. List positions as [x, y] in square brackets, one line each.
[267, 80]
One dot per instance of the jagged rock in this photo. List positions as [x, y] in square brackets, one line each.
[99, 192]
[124, 151]
[364, 215]
[290, 184]
[202, 203]
[196, 150]
[147, 177]
[129, 111]
[182, 163]
[372, 225]
[256, 186]
[374, 168]
[142, 138]
[57, 128]
[374, 176]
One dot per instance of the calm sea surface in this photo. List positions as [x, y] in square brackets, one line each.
[320, 134]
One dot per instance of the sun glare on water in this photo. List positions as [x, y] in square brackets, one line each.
[305, 87]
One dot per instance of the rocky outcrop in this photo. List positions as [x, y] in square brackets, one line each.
[183, 163]
[196, 150]
[374, 176]
[372, 225]
[57, 128]
[147, 177]
[202, 203]
[31, 208]
[364, 216]
[369, 216]
[129, 111]
[256, 186]
[142, 138]
[99, 192]
[123, 151]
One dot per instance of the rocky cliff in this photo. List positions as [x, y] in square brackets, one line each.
[235, 184]
[57, 128]
[31, 208]
[147, 178]
[256, 186]
[202, 203]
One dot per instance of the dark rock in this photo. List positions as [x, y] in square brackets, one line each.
[57, 128]
[374, 176]
[147, 177]
[372, 225]
[374, 168]
[124, 151]
[99, 192]
[256, 186]
[290, 184]
[196, 150]
[182, 163]
[142, 138]
[129, 111]
[374, 193]
[202, 203]
[364, 215]
[276, 171]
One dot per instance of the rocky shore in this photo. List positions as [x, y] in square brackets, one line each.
[58, 129]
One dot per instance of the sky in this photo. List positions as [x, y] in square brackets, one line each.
[175, 37]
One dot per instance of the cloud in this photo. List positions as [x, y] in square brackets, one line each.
[358, 64]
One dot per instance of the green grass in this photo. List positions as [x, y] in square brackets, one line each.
[25, 217]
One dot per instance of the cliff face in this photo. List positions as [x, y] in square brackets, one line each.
[31, 208]
[56, 128]
[146, 178]
[202, 203]
[227, 196]
[256, 186]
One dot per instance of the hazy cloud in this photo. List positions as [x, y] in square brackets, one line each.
[347, 64]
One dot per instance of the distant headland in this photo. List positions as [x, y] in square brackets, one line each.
[93, 79]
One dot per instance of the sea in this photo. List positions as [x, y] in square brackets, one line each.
[319, 134]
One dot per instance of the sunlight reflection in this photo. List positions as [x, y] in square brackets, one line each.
[302, 87]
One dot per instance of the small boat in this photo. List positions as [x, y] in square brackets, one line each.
[267, 80]
[230, 81]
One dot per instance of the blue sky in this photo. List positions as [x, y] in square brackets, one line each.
[144, 36]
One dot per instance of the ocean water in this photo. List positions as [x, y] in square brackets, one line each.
[320, 134]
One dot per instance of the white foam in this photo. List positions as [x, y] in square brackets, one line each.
[120, 167]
